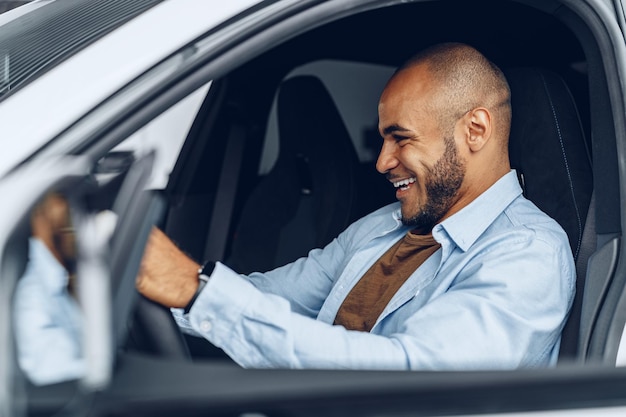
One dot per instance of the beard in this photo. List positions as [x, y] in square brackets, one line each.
[442, 183]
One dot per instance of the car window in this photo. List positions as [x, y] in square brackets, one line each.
[354, 78]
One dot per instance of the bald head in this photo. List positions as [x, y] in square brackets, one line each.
[465, 80]
[444, 118]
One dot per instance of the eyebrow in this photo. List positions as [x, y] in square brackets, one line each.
[393, 129]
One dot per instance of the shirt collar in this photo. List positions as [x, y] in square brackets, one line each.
[466, 226]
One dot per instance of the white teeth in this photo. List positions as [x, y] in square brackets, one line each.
[404, 183]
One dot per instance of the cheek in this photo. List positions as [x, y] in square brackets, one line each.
[414, 161]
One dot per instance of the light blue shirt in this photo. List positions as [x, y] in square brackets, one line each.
[48, 321]
[494, 296]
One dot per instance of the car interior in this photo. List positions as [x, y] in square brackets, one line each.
[280, 156]
[322, 179]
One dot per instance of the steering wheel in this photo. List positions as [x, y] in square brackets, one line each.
[137, 321]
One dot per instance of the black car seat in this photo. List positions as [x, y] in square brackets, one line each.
[548, 149]
[310, 194]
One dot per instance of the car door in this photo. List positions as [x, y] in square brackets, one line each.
[603, 326]
[144, 384]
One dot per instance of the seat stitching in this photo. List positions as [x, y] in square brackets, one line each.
[571, 183]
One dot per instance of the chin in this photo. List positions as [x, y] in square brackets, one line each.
[409, 212]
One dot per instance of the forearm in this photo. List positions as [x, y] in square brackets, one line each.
[260, 330]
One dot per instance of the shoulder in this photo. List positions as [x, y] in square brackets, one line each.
[524, 216]
[524, 235]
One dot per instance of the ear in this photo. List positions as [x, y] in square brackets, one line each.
[478, 128]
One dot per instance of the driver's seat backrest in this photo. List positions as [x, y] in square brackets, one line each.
[309, 196]
[548, 149]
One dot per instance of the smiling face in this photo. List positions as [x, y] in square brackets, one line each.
[419, 156]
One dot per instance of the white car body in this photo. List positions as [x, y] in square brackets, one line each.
[51, 103]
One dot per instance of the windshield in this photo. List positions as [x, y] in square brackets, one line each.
[40, 39]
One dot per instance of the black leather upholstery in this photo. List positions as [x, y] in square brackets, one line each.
[548, 149]
[309, 196]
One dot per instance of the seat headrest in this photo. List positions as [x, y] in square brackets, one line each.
[548, 149]
[308, 196]
[309, 120]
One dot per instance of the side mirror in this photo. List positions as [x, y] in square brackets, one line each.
[62, 323]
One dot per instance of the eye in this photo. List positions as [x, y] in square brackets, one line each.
[400, 140]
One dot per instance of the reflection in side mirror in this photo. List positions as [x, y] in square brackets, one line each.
[48, 319]
[53, 310]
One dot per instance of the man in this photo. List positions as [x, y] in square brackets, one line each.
[461, 273]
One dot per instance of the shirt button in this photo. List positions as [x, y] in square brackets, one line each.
[205, 326]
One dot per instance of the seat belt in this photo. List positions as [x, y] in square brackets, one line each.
[588, 240]
[215, 246]
[573, 347]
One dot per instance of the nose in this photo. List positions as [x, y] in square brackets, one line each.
[387, 157]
